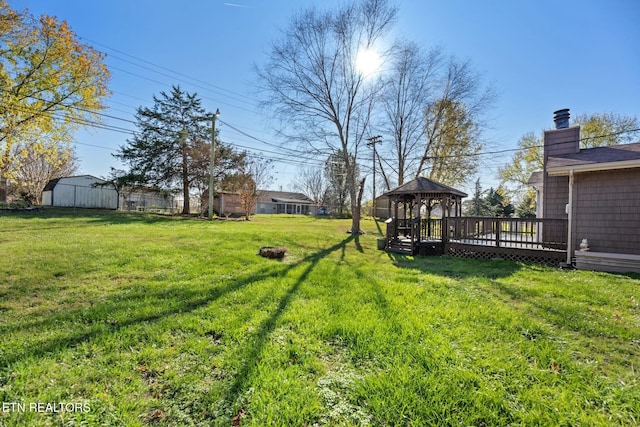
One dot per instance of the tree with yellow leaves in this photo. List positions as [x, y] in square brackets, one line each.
[50, 85]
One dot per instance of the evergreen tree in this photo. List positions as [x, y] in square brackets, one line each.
[527, 207]
[499, 203]
[478, 205]
[171, 148]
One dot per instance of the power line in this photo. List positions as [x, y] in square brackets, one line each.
[181, 80]
[86, 122]
[164, 68]
[290, 150]
[77, 120]
[200, 83]
[610, 134]
[164, 84]
[508, 150]
[216, 90]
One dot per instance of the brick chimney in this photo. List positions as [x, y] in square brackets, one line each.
[562, 140]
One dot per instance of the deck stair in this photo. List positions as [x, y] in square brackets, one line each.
[401, 246]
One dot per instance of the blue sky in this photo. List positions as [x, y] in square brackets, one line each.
[540, 55]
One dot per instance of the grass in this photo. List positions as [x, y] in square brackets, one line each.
[149, 320]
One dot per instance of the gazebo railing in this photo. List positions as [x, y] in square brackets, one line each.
[420, 228]
[404, 227]
[430, 229]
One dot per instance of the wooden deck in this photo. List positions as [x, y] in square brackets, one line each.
[529, 240]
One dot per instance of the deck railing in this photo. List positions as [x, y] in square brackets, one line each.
[525, 233]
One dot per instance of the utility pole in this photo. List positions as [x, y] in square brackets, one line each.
[212, 159]
[372, 143]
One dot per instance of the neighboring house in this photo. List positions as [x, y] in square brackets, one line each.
[598, 191]
[269, 202]
[279, 202]
[83, 191]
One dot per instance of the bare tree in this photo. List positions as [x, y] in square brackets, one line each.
[335, 171]
[408, 89]
[433, 114]
[450, 155]
[311, 183]
[312, 82]
[454, 124]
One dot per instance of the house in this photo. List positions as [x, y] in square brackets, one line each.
[279, 202]
[269, 202]
[83, 191]
[598, 191]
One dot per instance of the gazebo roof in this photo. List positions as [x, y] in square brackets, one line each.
[421, 185]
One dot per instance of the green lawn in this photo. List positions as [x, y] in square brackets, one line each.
[117, 319]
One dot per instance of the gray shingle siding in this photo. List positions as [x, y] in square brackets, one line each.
[607, 210]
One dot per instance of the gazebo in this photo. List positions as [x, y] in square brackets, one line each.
[411, 228]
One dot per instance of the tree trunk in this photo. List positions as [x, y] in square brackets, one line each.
[186, 205]
[356, 207]
[4, 189]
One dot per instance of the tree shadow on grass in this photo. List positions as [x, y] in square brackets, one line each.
[119, 312]
[456, 268]
[242, 378]
[380, 232]
[122, 306]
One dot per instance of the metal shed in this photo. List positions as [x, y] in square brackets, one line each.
[83, 191]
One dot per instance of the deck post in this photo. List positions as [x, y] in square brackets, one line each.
[498, 229]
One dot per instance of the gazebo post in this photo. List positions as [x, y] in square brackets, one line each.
[445, 219]
[428, 206]
[395, 218]
[404, 225]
